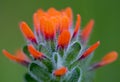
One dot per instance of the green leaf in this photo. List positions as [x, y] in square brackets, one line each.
[52, 44]
[57, 60]
[44, 49]
[61, 51]
[74, 75]
[29, 78]
[73, 53]
[48, 64]
[39, 72]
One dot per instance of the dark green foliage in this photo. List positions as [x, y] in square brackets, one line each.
[48, 64]
[39, 72]
[45, 49]
[25, 50]
[74, 75]
[42, 70]
[72, 53]
[29, 78]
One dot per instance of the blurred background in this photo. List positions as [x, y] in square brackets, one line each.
[106, 14]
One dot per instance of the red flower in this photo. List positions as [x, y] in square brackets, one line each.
[53, 30]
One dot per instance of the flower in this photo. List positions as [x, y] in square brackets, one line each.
[56, 49]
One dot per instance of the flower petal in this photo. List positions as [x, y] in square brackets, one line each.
[64, 39]
[109, 58]
[18, 57]
[53, 12]
[27, 32]
[77, 26]
[90, 50]
[69, 13]
[64, 23]
[35, 53]
[49, 30]
[36, 23]
[60, 72]
[87, 30]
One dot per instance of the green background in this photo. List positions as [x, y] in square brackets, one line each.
[106, 14]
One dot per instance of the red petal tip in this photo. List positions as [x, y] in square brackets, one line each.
[18, 57]
[60, 72]
[90, 50]
[27, 32]
[35, 53]
[109, 58]
[77, 26]
[87, 30]
[64, 39]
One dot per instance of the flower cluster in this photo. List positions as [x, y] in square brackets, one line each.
[56, 41]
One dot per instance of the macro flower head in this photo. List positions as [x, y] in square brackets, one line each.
[57, 49]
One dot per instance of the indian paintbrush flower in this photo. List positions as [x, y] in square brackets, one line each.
[56, 51]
